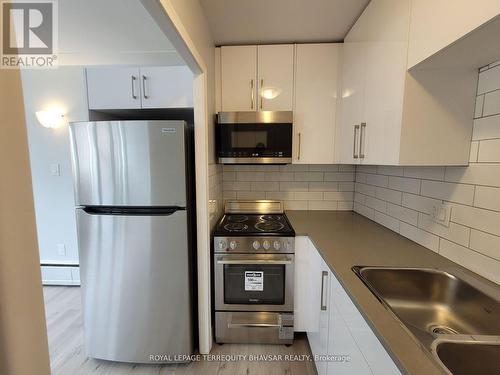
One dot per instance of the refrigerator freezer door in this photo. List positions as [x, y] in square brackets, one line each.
[129, 163]
[136, 286]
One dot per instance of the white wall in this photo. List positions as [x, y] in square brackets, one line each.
[54, 199]
[401, 198]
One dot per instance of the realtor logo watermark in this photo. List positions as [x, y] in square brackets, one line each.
[29, 34]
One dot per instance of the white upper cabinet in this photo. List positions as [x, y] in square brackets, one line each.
[435, 24]
[275, 81]
[117, 87]
[166, 87]
[317, 90]
[390, 116]
[113, 87]
[239, 78]
[257, 78]
[352, 103]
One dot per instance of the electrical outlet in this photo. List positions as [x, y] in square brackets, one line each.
[61, 249]
[441, 214]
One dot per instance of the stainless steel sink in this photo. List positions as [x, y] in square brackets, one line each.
[469, 357]
[435, 306]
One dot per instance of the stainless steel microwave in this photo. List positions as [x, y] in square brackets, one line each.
[263, 137]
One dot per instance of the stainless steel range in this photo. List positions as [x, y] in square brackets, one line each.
[254, 264]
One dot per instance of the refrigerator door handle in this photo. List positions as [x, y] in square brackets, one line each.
[132, 211]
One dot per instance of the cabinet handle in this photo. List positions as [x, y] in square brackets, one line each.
[261, 86]
[323, 275]
[251, 92]
[133, 87]
[362, 141]
[298, 153]
[354, 153]
[144, 78]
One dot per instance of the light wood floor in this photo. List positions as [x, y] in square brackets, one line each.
[67, 355]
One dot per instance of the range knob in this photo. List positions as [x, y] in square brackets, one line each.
[233, 245]
[256, 245]
[287, 245]
[222, 245]
[277, 245]
[266, 245]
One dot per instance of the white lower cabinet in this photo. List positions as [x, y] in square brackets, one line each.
[340, 339]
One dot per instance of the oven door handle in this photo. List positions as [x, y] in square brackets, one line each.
[253, 325]
[254, 261]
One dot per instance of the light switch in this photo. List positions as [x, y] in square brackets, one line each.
[61, 249]
[55, 169]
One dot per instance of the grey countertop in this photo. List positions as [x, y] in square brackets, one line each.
[347, 239]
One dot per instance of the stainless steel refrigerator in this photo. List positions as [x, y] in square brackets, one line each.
[134, 195]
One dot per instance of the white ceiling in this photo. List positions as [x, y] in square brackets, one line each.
[99, 32]
[275, 21]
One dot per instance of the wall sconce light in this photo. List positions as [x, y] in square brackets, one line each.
[52, 118]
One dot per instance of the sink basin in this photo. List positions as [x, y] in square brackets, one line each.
[470, 358]
[430, 301]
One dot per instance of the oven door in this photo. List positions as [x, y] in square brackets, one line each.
[254, 282]
[254, 142]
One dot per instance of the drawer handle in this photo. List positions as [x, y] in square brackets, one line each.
[253, 325]
[362, 140]
[144, 78]
[134, 96]
[354, 153]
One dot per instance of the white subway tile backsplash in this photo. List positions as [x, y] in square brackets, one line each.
[360, 177]
[309, 195]
[478, 111]
[389, 195]
[365, 189]
[294, 186]
[359, 198]
[339, 176]
[390, 171]
[402, 213]
[265, 186]
[309, 176]
[419, 203]
[408, 185]
[377, 180]
[489, 152]
[376, 204]
[472, 260]
[486, 128]
[325, 187]
[491, 103]
[364, 210]
[455, 232]
[489, 80]
[485, 243]
[426, 173]
[451, 192]
[387, 221]
[487, 197]
[477, 218]
[478, 174]
[419, 236]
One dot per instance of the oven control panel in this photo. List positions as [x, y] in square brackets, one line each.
[254, 244]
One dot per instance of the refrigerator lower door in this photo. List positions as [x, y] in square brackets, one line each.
[136, 285]
[129, 163]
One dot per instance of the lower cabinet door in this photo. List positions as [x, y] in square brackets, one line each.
[318, 329]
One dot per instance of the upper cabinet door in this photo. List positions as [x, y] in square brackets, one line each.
[385, 74]
[166, 87]
[275, 73]
[113, 87]
[352, 100]
[239, 78]
[317, 89]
